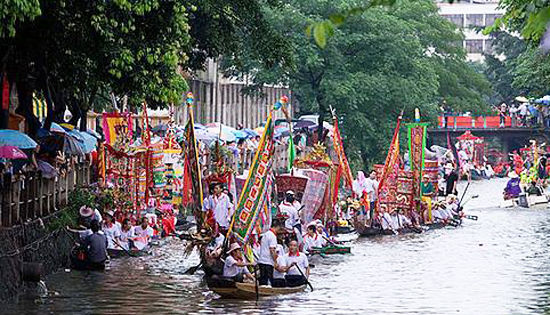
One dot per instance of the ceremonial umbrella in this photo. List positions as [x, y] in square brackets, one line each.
[57, 128]
[251, 132]
[16, 139]
[87, 142]
[221, 131]
[240, 134]
[11, 153]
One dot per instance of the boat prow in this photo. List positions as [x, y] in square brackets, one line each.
[228, 289]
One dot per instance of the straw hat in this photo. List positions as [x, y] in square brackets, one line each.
[85, 211]
[522, 99]
[513, 174]
[234, 246]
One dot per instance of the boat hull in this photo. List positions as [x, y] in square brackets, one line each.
[229, 289]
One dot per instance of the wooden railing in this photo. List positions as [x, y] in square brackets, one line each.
[34, 196]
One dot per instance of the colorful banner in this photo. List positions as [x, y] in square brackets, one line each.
[191, 153]
[390, 171]
[417, 144]
[343, 160]
[117, 128]
[255, 192]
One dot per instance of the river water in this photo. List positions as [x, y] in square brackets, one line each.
[496, 265]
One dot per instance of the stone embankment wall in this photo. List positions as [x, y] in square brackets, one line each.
[35, 241]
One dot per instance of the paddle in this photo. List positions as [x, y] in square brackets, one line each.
[124, 249]
[192, 270]
[256, 283]
[307, 281]
[471, 217]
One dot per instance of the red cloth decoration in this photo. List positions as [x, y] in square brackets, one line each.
[5, 93]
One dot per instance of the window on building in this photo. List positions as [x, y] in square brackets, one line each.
[457, 19]
[473, 20]
[474, 46]
[490, 18]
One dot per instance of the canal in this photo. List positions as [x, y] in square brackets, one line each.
[496, 265]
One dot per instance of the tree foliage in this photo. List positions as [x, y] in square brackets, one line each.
[375, 65]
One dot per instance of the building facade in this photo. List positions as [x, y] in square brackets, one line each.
[219, 99]
[472, 16]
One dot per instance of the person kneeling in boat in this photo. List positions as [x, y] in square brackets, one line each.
[234, 266]
[513, 188]
[280, 269]
[298, 266]
[534, 189]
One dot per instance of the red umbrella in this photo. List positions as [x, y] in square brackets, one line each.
[10, 152]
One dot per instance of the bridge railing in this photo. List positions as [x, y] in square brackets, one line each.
[468, 122]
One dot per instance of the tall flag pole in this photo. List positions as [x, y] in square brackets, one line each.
[146, 140]
[192, 161]
[255, 193]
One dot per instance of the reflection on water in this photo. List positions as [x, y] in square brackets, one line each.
[497, 265]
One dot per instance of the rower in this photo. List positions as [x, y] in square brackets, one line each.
[451, 209]
[322, 234]
[268, 252]
[214, 249]
[512, 189]
[280, 269]
[142, 234]
[404, 222]
[234, 266]
[298, 266]
[312, 239]
[533, 189]
[96, 247]
[290, 207]
[385, 220]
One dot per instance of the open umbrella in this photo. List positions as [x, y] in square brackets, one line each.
[57, 128]
[303, 124]
[87, 142]
[222, 132]
[71, 146]
[11, 153]
[240, 134]
[251, 132]
[16, 139]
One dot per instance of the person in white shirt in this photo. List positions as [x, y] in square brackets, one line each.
[395, 223]
[111, 231]
[404, 220]
[298, 266]
[322, 234]
[234, 267]
[312, 239]
[290, 207]
[126, 234]
[214, 249]
[143, 234]
[267, 259]
[221, 206]
[281, 269]
[385, 221]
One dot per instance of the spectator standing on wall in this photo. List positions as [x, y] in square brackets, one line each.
[513, 111]
[522, 110]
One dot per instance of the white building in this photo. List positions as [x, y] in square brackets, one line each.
[472, 16]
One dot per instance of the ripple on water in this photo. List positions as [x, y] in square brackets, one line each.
[496, 265]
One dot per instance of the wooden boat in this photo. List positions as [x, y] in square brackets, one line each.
[229, 289]
[525, 201]
[375, 231]
[118, 253]
[329, 250]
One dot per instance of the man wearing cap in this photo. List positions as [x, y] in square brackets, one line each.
[290, 206]
[268, 252]
[234, 266]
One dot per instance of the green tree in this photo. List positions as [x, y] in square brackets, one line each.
[375, 65]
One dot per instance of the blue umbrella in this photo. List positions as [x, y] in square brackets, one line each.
[240, 134]
[87, 142]
[251, 132]
[199, 126]
[16, 139]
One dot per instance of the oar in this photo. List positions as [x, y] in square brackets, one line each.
[471, 217]
[256, 283]
[307, 281]
[192, 270]
[124, 249]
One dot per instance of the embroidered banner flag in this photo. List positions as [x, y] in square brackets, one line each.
[390, 171]
[255, 192]
[343, 160]
[117, 128]
[417, 143]
[191, 155]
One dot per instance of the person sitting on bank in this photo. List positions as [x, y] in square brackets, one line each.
[280, 270]
[534, 189]
[234, 266]
[298, 266]
[96, 247]
[513, 188]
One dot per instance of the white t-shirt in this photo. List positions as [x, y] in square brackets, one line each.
[222, 207]
[124, 237]
[281, 262]
[312, 241]
[111, 233]
[230, 268]
[217, 242]
[267, 242]
[372, 188]
[386, 221]
[522, 109]
[143, 236]
[291, 210]
[300, 260]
